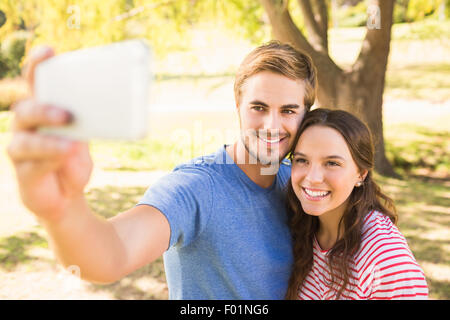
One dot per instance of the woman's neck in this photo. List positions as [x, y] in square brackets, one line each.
[328, 234]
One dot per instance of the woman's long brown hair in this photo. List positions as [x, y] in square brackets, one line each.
[362, 200]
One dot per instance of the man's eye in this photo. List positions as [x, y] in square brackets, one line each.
[288, 111]
[258, 108]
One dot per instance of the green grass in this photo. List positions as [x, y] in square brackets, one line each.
[419, 81]
[419, 150]
[421, 30]
[424, 216]
[14, 250]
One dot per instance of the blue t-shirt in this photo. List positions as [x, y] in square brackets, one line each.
[229, 237]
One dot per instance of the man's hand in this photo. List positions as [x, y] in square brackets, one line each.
[51, 171]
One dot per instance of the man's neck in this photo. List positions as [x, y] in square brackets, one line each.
[255, 171]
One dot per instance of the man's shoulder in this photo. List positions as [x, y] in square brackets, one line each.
[202, 167]
[215, 164]
[201, 163]
[285, 170]
[286, 164]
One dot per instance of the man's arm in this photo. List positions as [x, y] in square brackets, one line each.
[107, 250]
[145, 233]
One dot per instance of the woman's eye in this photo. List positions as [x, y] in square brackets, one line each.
[333, 164]
[299, 160]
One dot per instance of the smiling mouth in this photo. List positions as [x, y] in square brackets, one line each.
[315, 195]
[272, 141]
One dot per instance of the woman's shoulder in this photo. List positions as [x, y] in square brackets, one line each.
[378, 226]
[385, 262]
[381, 239]
[383, 246]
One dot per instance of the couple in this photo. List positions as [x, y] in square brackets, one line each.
[317, 228]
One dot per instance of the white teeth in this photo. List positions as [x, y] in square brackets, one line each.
[316, 193]
[271, 141]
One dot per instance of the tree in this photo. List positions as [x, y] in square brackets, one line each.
[359, 88]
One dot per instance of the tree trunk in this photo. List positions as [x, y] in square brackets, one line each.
[360, 88]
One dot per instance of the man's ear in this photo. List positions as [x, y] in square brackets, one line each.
[238, 109]
[237, 102]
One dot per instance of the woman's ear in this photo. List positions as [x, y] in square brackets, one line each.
[363, 175]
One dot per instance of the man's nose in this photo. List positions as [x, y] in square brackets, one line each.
[272, 122]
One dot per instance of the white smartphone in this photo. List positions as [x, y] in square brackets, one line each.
[105, 88]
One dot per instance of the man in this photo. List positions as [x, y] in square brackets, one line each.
[220, 220]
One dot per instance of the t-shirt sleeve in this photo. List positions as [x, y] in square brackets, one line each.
[185, 198]
[397, 275]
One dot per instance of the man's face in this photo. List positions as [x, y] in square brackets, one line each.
[271, 109]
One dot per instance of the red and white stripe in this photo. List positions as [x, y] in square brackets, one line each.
[383, 268]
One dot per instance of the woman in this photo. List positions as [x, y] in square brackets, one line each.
[346, 244]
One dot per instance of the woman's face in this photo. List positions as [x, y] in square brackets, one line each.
[323, 171]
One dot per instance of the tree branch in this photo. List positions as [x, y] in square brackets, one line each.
[315, 33]
[376, 44]
[322, 17]
[283, 28]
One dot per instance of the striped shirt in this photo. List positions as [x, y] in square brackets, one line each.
[383, 268]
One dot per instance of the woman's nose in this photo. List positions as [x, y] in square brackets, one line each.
[314, 174]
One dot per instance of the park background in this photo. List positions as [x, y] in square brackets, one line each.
[198, 45]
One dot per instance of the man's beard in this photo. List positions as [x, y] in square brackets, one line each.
[258, 151]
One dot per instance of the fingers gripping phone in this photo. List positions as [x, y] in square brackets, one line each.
[106, 89]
